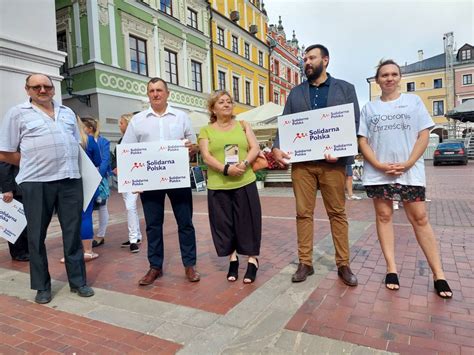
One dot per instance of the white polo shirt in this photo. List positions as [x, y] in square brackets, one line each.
[49, 147]
[148, 126]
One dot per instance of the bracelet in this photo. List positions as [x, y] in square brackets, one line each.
[226, 168]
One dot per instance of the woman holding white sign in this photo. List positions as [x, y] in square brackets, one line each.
[228, 147]
[393, 135]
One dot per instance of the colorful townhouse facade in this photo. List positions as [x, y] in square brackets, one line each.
[114, 46]
[463, 74]
[240, 58]
[285, 63]
[427, 79]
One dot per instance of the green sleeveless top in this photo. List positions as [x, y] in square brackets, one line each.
[217, 141]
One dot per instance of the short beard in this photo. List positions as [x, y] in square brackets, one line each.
[317, 71]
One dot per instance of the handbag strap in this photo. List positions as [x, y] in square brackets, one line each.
[242, 124]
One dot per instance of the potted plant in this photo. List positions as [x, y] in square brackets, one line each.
[261, 175]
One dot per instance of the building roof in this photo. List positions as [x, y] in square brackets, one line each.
[436, 62]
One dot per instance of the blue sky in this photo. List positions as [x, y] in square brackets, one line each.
[359, 33]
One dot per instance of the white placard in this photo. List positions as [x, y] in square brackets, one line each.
[308, 135]
[12, 220]
[152, 166]
[90, 178]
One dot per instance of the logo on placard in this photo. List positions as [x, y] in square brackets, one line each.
[126, 182]
[328, 148]
[299, 136]
[164, 180]
[125, 151]
[137, 166]
[286, 122]
[325, 116]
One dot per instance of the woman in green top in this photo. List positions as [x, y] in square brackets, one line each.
[228, 147]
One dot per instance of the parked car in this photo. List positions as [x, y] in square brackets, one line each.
[448, 152]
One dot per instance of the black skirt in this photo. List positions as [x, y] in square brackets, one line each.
[396, 192]
[235, 217]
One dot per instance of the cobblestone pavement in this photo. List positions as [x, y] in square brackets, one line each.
[271, 316]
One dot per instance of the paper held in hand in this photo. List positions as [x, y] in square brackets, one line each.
[12, 220]
[152, 166]
[90, 178]
[309, 135]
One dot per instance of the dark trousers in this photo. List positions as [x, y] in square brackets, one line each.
[154, 208]
[235, 217]
[20, 248]
[39, 200]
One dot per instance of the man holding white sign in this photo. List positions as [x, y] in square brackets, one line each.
[161, 122]
[328, 175]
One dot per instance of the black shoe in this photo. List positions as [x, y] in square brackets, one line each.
[96, 243]
[233, 273]
[83, 291]
[251, 273]
[134, 248]
[127, 243]
[43, 296]
[24, 257]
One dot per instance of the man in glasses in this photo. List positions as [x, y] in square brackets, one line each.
[46, 136]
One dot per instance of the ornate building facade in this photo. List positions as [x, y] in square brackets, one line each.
[240, 59]
[114, 46]
[285, 63]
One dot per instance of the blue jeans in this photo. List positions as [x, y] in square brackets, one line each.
[153, 207]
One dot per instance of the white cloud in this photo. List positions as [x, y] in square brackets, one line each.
[359, 33]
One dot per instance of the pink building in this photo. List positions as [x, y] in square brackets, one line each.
[464, 74]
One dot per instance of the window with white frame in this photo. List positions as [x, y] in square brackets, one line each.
[411, 86]
[138, 57]
[171, 67]
[247, 50]
[196, 74]
[235, 88]
[166, 6]
[467, 79]
[276, 98]
[248, 97]
[260, 58]
[220, 37]
[193, 18]
[221, 80]
[438, 108]
[261, 95]
[466, 54]
[235, 44]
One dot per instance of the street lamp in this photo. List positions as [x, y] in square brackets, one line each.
[85, 99]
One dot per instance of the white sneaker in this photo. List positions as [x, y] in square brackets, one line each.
[395, 205]
[355, 197]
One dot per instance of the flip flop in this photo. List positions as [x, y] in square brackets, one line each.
[90, 256]
[392, 279]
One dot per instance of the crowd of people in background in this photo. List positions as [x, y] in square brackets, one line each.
[49, 179]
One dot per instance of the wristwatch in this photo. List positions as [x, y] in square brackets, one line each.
[246, 162]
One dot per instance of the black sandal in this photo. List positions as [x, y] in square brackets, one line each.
[392, 279]
[251, 273]
[442, 286]
[233, 270]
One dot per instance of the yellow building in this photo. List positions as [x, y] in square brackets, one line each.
[240, 52]
[427, 79]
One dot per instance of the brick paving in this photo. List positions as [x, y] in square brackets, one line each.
[410, 320]
[26, 327]
[413, 319]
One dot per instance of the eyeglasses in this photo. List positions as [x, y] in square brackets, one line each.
[37, 88]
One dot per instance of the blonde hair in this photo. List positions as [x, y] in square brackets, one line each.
[82, 134]
[91, 123]
[211, 101]
[126, 117]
